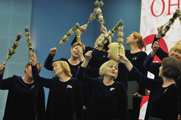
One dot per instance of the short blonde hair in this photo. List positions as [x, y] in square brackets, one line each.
[64, 66]
[104, 66]
[176, 47]
[114, 51]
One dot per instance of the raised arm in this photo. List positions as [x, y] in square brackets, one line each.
[123, 104]
[140, 78]
[2, 68]
[82, 29]
[80, 52]
[148, 62]
[49, 59]
[159, 52]
[78, 100]
[155, 47]
[87, 81]
[150, 66]
[88, 56]
[125, 61]
[4, 84]
[40, 80]
[141, 68]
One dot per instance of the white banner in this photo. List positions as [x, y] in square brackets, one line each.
[155, 13]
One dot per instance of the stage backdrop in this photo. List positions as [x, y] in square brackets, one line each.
[155, 13]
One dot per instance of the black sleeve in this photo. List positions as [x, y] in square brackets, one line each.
[179, 86]
[123, 75]
[74, 40]
[92, 72]
[41, 103]
[5, 83]
[143, 71]
[123, 104]
[43, 81]
[150, 66]
[48, 62]
[149, 83]
[160, 53]
[155, 39]
[86, 81]
[78, 100]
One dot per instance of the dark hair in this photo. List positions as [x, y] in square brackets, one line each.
[171, 67]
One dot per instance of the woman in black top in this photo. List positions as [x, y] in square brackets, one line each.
[65, 96]
[25, 99]
[108, 100]
[164, 96]
[76, 53]
[136, 56]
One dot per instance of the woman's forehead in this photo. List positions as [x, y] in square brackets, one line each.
[114, 64]
[55, 63]
[175, 49]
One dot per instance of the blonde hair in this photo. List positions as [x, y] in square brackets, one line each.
[104, 66]
[176, 47]
[64, 66]
[114, 51]
[140, 41]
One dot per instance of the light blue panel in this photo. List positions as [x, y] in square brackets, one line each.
[15, 68]
[3, 97]
[18, 23]
[5, 5]
[4, 49]
[22, 7]
[4, 22]
[15, 15]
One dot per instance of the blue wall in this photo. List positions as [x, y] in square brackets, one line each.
[51, 20]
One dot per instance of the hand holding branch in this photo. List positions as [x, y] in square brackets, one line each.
[125, 61]
[88, 56]
[53, 51]
[33, 57]
[2, 68]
